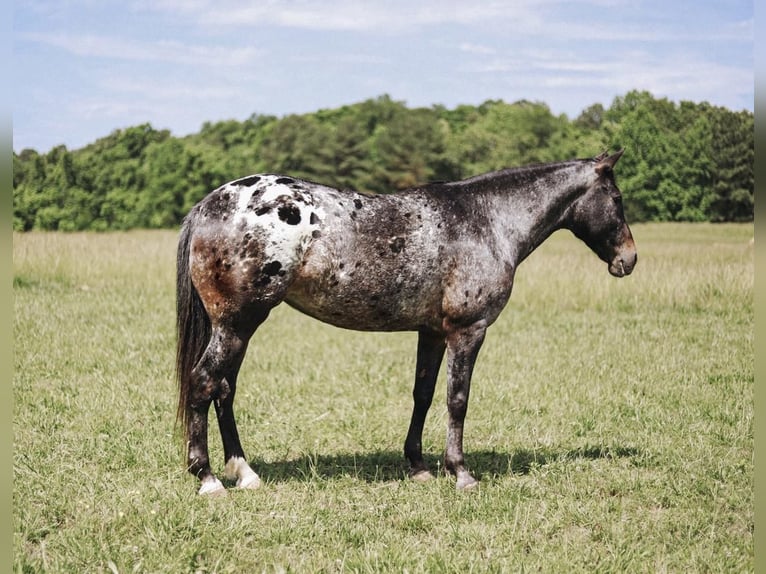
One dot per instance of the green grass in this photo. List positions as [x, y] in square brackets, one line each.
[610, 423]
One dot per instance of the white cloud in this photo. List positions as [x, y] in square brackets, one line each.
[677, 75]
[96, 46]
[343, 15]
[680, 76]
[476, 49]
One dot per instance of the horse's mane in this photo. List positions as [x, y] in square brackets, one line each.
[511, 177]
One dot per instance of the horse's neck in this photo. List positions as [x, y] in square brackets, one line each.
[524, 214]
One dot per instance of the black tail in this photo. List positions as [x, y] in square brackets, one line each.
[193, 326]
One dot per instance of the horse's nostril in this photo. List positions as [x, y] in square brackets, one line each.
[628, 263]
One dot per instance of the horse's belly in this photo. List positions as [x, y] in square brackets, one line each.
[353, 306]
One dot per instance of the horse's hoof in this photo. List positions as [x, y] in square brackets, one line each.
[238, 469]
[422, 476]
[466, 482]
[250, 482]
[212, 487]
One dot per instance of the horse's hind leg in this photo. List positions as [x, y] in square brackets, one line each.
[237, 468]
[430, 354]
[215, 377]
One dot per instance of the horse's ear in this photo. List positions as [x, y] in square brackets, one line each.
[606, 163]
[601, 156]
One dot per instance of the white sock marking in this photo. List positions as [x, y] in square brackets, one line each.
[238, 469]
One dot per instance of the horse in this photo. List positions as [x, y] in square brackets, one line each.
[438, 259]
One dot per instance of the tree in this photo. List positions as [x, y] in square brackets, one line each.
[732, 175]
[505, 135]
[301, 146]
[684, 161]
[409, 149]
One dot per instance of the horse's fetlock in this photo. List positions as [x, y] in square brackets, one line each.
[197, 463]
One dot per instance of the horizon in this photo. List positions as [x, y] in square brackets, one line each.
[340, 106]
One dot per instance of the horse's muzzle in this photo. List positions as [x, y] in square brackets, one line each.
[623, 263]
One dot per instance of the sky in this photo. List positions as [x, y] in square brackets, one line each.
[83, 68]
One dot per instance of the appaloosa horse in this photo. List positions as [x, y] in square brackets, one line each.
[437, 259]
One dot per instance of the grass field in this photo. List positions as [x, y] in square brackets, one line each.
[610, 423]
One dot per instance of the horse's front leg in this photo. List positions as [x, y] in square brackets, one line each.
[430, 353]
[463, 344]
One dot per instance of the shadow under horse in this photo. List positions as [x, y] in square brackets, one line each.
[438, 259]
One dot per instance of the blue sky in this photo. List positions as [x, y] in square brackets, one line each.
[83, 68]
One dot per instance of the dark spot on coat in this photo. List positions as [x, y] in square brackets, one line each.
[263, 210]
[285, 180]
[289, 213]
[218, 204]
[358, 203]
[272, 268]
[396, 244]
[247, 181]
[316, 234]
[313, 219]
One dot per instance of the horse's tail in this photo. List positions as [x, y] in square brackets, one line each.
[193, 327]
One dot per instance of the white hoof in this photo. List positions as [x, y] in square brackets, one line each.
[212, 487]
[238, 469]
[250, 482]
[465, 481]
[422, 476]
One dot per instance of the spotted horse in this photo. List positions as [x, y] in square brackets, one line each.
[438, 259]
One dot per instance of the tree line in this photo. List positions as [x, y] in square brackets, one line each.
[684, 161]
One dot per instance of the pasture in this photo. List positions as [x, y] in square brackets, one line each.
[610, 423]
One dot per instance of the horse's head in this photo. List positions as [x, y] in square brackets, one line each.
[598, 219]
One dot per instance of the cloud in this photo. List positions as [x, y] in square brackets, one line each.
[476, 49]
[678, 75]
[169, 51]
[341, 15]
[682, 76]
